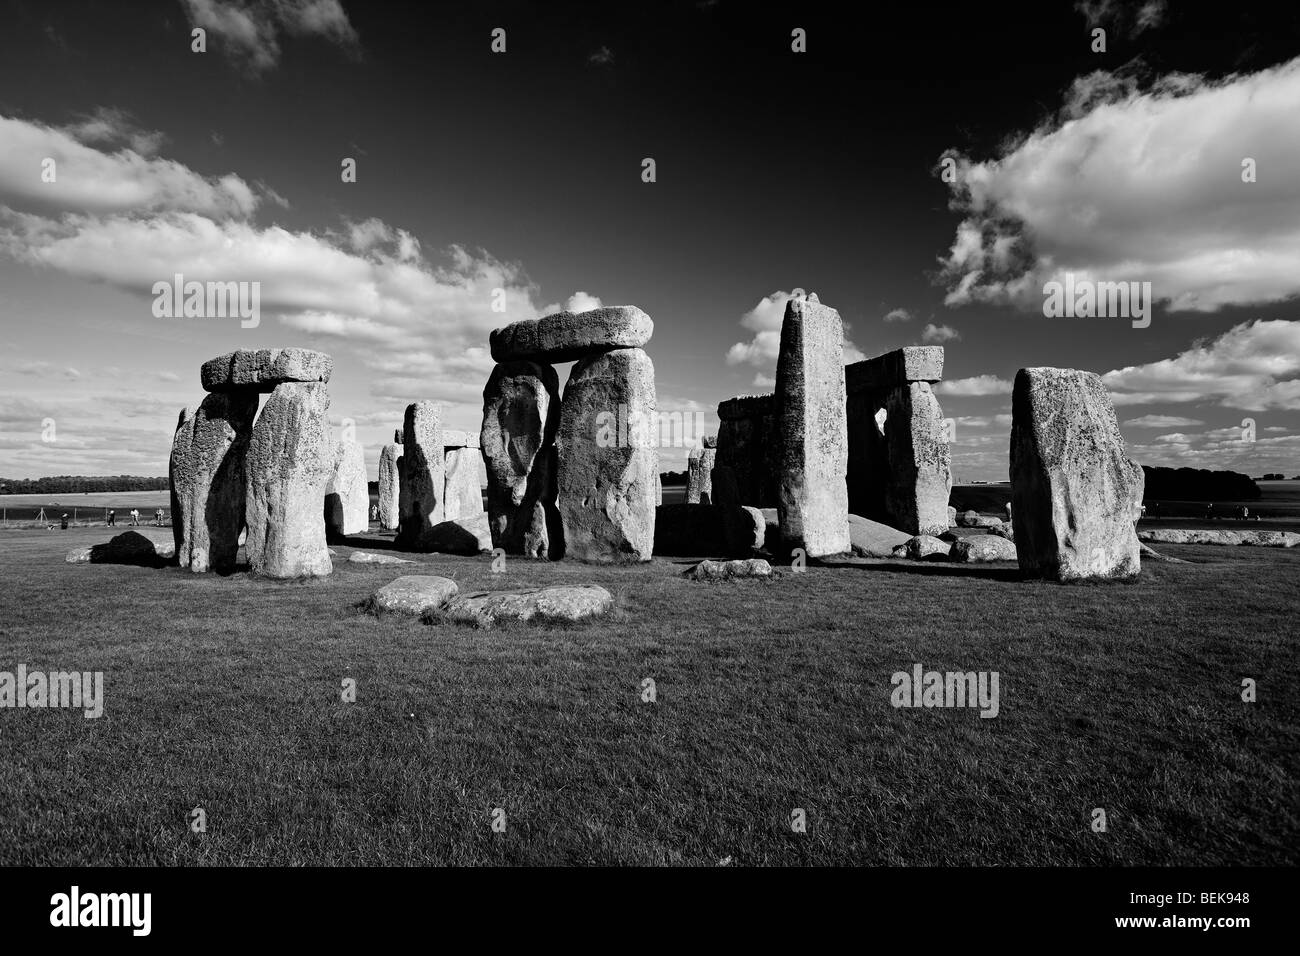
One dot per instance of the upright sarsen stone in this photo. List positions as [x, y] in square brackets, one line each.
[1074, 492]
[607, 458]
[521, 414]
[347, 496]
[423, 475]
[207, 471]
[289, 464]
[699, 474]
[812, 500]
[390, 485]
[920, 463]
[464, 494]
[749, 444]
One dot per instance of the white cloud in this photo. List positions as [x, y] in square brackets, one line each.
[1253, 366]
[764, 320]
[91, 181]
[976, 386]
[111, 126]
[249, 30]
[898, 315]
[1140, 185]
[1124, 16]
[1163, 421]
[938, 334]
[764, 381]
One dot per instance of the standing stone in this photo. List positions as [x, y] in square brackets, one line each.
[521, 413]
[1074, 492]
[464, 494]
[390, 486]
[659, 489]
[699, 475]
[744, 528]
[607, 458]
[423, 476]
[289, 465]
[812, 502]
[207, 471]
[920, 462]
[749, 444]
[347, 496]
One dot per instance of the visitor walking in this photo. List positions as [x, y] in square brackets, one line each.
[157, 518]
[135, 517]
[63, 521]
[112, 518]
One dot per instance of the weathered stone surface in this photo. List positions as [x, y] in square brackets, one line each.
[748, 443]
[659, 489]
[423, 475]
[1004, 529]
[365, 557]
[812, 494]
[1264, 539]
[924, 547]
[917, 363]
[952, 517]
[699, 475]
[727, 570]
[390, 487]
[871, 539]
[606, 480]
[261, 370]
[413, 594]
[973, 519]
[470, 535]
[208, 481]
[464, 493]
[129, 547]
[689, 530]
[561, 603]
[983, 547]
[1074, 491]
[288, 466]
[347, 495]
[567, 336]
[521, 414]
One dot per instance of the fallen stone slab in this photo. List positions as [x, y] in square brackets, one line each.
[924, 547]
[560, 603]
[1265, 539]
[366, 557]
[471, 535]
[568, 336]
[413, 594]
[1154, 555]
[129, 547]
[973, 519]
[261, 370]
[871, 539]
[1004, 530]
[727, 570]
[981, 548]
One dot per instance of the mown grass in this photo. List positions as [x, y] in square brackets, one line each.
[224, 693]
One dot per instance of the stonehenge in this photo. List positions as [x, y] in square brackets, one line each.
[423, 476]
[267, 478]
[207, 481]
[288, 467]
[1075, 494]
[748, 443]
[899, 468]
[347, 496]
[521, 414]
[560, 483]
[812, 496]
[464, 494]
[390, 484]
[699, 478]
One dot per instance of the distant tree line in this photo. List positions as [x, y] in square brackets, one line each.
[671, 478]
[75, 484]
[1199, 484]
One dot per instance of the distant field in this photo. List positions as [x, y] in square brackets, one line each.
[224, 693]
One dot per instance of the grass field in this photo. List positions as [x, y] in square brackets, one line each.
[224, 693]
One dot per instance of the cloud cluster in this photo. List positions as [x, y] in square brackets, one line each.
[1134, 183]
[250, 30]
[761, 351]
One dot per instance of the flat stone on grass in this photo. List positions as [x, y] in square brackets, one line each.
[561, 603]
[728, 570]
[413, 594]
